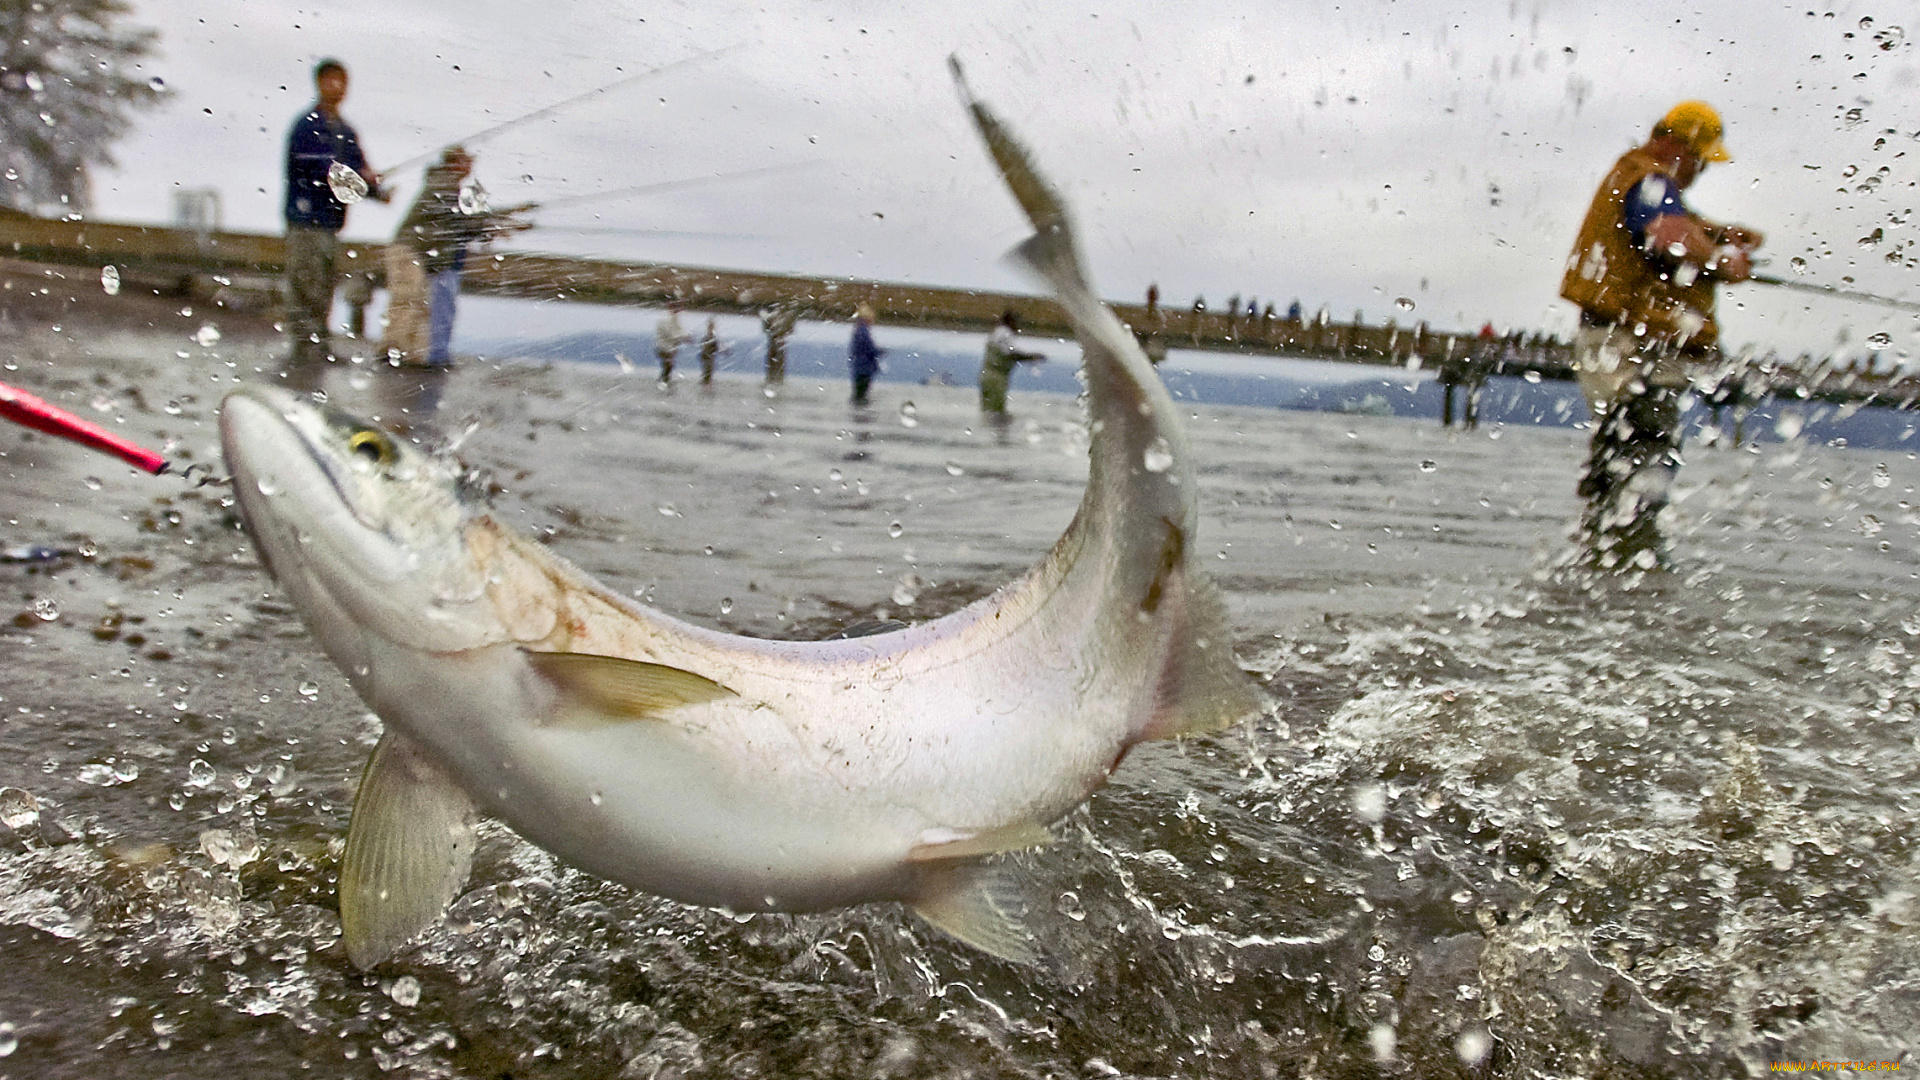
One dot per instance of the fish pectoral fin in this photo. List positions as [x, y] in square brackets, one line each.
[599, 690]
[978, 905]
[1019, 836]
[1202, 688]
[409, 849]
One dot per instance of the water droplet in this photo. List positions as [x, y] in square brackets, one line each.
[110, 279]
[207, 335]
[171, 408]
[1531, 376]
[909, 414]
[102, 403]
[668, 510]
[1383, 1040]
[954, 469]
[1069, 905]
[1879, 341]
[1880, 477]
[9, 1042]
[526, 178]
[348, 186]
[309, 690]
[894, 530]
[1429, 465]
[834, 475]
[1405, 303]
[1158, 457]
[596, 798]
[1798, 264]
[726, 605]
[87, 549]
[92, 482]
[1472, 1046]
[156, 84]
[18, 808]
[1370, 802]
[199, 773]
[906, 590]
[405, 991]
[46, 610]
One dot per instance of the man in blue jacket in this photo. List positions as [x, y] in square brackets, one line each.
[314, 212]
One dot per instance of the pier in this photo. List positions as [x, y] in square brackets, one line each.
[243, 269]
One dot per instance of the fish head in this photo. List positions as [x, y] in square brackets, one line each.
[363, 530]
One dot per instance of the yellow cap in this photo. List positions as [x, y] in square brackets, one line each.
[1698, 125]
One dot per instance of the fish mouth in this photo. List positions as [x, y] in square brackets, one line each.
[254, 425]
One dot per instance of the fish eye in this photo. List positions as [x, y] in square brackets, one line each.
[372, 445]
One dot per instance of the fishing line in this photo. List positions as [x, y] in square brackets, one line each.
[506, 125]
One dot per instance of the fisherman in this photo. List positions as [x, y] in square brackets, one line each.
[709, 352]
[863, 356]
[1643, 271]
[668, 336]
[996, 366]
[314, 212]
[430, 253]
[777, 321]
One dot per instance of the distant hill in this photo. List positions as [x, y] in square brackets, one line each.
[1252, 381]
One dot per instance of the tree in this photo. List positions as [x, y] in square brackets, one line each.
[69, 80]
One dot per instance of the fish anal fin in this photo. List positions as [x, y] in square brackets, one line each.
[599, 690]
[409, 850]
[1202, 688]
[1019, 836]
[978, 905]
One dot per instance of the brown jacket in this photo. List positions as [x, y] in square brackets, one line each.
[1616, 283]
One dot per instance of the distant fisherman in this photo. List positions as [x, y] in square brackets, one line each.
[314, 213]
[1642, 271]
[863, 356]
[668, 336]
[996, 367]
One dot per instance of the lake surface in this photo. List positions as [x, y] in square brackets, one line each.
[1504, 819]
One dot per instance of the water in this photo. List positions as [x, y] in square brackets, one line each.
[1504, 821]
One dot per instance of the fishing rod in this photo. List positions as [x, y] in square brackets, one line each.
[594, 230]
[506, 125]
[23, 408]
[659, 185]
[1841, 294]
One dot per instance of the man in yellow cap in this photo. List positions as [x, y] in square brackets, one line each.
[1643, 271]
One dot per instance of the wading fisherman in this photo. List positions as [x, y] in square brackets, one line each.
[1643, 272]
[314, 214]
[428, 255]
[996, 365]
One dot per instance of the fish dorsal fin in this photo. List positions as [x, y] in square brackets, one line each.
[978, 905]
[1018, 836]
[409, 849]
[599, 690]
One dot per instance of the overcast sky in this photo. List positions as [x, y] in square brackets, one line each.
[1350, 154]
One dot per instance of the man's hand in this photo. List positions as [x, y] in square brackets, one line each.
[1731, 264]
[374, 189]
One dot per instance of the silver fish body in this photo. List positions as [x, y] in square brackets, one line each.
[723, 770]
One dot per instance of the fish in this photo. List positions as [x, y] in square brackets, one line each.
[722, 770]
